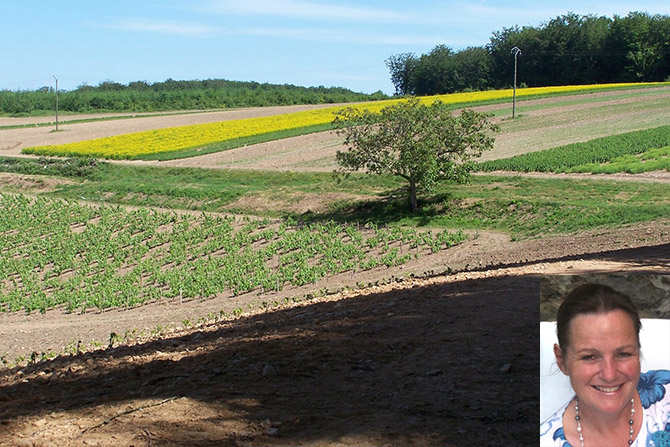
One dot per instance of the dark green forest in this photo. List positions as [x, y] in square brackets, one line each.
[141, 96]
[567, 50]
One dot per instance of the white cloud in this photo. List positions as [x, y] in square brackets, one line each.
[343, 36]
[314, 11]
[165, 27]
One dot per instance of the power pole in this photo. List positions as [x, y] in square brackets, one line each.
[56, 102]
[516, 52]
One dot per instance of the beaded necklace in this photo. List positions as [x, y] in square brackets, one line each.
[579, 423]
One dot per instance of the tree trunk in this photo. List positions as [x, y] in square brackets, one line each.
[412, 196]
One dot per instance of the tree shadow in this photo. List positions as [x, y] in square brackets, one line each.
[389, 207]
[651, 256]
[427, 366]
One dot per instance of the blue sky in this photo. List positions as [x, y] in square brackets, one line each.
[301, 42]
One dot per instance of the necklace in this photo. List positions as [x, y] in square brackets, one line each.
[579, 423]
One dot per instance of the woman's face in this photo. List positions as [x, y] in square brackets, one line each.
[602, 360]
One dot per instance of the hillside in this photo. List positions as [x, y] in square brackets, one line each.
[438, 351]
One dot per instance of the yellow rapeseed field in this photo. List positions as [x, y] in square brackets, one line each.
[173, 139]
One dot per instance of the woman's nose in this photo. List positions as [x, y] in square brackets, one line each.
[608, 369]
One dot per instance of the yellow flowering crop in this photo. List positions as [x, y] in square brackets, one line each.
[182, 137]
[201, 135]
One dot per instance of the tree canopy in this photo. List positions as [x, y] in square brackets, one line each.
[141, 96]
[420, 143]
[567, 50]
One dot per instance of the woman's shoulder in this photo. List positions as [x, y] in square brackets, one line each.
[654, 387]
[551, 430]
[654, 390]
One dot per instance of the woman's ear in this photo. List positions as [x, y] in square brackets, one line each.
[560, 360]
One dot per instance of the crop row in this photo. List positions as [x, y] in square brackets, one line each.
[577, 156]
[654, 159]
[201, 135]
[58, 253]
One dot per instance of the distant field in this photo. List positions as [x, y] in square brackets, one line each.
[541, 124]
[214, 137]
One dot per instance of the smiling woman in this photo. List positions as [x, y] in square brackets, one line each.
[598, 348]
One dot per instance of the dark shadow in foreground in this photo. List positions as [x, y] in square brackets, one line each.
[449, 364]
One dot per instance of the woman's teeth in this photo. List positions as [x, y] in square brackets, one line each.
[605, 389]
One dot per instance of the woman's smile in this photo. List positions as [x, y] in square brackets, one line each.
[607, 389]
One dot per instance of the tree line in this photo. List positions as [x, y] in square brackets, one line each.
[567, 50]
[141, 96]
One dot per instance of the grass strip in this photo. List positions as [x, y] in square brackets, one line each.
[520, 206]
[652, 160]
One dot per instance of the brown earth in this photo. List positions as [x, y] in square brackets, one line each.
[438, 353]
[442, 360]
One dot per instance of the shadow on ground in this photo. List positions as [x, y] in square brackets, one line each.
[445, 364]
[417, 367]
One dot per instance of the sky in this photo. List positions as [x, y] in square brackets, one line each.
[300, 42]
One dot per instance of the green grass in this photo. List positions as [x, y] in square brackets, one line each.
[185, 188]
[520, 206]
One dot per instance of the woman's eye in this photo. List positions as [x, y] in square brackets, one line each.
[588, 357]
[625, 354]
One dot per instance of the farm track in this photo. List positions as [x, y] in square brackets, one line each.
[431, 360]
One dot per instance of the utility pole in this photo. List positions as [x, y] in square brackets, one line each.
[516, 52]
[56, 101]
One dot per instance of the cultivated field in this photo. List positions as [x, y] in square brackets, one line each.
[342, 334]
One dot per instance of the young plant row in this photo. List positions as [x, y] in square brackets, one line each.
[589, 156]
[58, 253]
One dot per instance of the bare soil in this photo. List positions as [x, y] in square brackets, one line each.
[441, 352]
[440, 359]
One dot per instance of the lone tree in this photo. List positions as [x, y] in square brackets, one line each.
[419, 143]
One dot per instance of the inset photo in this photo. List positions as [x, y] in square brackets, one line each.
[605, 360]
